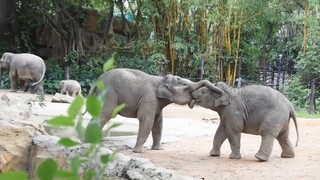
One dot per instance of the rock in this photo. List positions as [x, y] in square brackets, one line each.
[61, 98]
[16, 132]
[15, 142]
[13, 107]
[121, 167]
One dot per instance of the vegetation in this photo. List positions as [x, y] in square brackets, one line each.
[92, 135]
[217, 39]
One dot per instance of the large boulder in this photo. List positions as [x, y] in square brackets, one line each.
[16, 132]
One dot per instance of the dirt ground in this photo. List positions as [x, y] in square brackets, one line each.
[190, 156]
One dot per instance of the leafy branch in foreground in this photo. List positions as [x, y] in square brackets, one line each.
[92, 134]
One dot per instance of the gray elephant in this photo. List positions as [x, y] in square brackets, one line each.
[145, 96]
[24, 67]
[71, 87]
[254, 109]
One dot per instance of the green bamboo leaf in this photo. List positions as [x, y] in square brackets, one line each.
[117, 110]
[68, 142]
[75, 107]
[93, 106]
[61, 121]
[93, 133]
[47, 169]
[14, 175]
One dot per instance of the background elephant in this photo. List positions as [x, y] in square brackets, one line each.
[25, 67]
[254, 109]
[145, 96]
[71, 87]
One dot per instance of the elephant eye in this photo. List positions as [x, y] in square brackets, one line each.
[203, 92]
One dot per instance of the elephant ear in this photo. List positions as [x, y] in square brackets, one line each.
[223, 100]
[164, 89]
[6, 57]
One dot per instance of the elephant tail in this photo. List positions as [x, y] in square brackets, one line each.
[43, 73]
[293, 116]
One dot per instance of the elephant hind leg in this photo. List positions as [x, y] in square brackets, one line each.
[265, 148]
[107, 110]
[285, 143]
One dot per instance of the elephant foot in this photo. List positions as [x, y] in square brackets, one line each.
[261, 156]
[214, 152]
[138, 150]
[157, 147]
[13, 90]
[235, 156]
[288, 154]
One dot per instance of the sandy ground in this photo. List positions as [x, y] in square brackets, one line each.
[190, 156]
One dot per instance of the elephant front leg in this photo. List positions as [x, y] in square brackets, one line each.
[13, 81]
[265, 148]
[145, 126]
[219, 137]
[234, 137]
[157, 132]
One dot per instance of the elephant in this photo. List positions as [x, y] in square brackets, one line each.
[71, 87]
[25, 67]
[144, 96]
[253, 109]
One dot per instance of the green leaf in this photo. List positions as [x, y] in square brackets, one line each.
[61, 121]
[106, 158]
[93, 106]
[109, 64]
[89, 174]
[75, 107]
[114, 125]
[75, 164]
[100, 85]
[65, 174]
[79, 127]
[68, 142]
[117, 110]
[14, 175]
[47, 169]
[93, 132]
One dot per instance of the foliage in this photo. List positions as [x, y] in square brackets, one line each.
[297, 93]
[305, 114]
[92, 134]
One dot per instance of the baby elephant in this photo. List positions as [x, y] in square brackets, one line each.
[254, 109]
[71, 87]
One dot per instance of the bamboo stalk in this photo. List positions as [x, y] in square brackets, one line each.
[305, 29]
[237, 50]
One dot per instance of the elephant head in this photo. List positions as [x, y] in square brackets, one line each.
[210, 96]
[6, 58]
[177, 89]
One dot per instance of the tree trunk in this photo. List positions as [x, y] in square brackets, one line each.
[312, 97]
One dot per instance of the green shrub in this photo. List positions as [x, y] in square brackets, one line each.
[297, 93]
